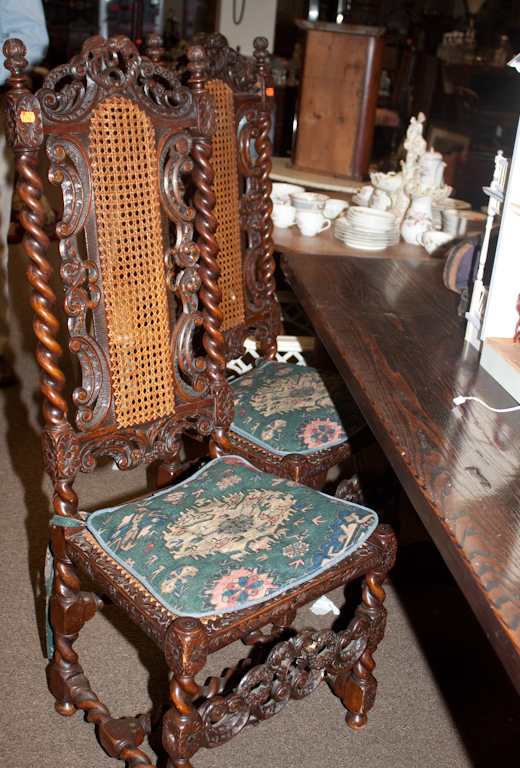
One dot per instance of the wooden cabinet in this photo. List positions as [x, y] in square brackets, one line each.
[338, 98]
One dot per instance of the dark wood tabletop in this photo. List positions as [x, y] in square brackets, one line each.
[392, 329]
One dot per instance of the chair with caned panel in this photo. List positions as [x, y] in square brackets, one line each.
[231, 549]
[296, 422]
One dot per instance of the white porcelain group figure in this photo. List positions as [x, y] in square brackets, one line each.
[409, 194]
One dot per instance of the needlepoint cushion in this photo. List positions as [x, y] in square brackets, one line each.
[288, 408]
[229, 537]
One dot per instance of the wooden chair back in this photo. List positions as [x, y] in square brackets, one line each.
[125, 138]
[244, 96]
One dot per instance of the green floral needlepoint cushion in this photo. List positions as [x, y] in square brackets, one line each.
[228, 537]
[289, 408]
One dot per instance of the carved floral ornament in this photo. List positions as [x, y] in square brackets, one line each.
[22, 122]
[207, 114]
[60, 453]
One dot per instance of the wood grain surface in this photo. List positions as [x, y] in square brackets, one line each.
[392, 329]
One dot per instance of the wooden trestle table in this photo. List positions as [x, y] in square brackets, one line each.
[392, 329]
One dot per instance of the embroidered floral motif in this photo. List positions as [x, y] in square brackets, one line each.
[233, 525]
[321, 432]
[240, 586]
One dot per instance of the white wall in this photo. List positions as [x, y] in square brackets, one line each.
[258, 20]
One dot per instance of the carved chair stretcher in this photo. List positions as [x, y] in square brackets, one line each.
[232, 549]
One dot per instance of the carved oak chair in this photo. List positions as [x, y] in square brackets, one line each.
[232, 549]
[292, 421]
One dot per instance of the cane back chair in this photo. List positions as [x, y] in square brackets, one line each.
[293, 421]
[232, 549]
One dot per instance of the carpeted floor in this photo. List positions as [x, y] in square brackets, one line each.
[443, 701]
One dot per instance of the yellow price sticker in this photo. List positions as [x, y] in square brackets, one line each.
[27, 117]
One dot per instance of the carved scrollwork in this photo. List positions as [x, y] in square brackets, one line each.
[144, 444]
[169, 94]
[75, 182]
[93, 397]
[224, 62]
[293, 669]
[223, 718]
[190, 372]
[106, 67]
[174, 161]
[80, 279]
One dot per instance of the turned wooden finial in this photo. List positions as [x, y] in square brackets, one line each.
[154, 48]
[261, 54]
[15, 61]
[196, 67]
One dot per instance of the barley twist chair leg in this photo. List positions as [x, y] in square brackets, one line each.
[186, 651]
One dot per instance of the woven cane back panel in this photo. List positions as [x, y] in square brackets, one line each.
[128, 214]
[227, 207]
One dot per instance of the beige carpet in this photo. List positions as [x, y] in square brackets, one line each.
[443, 701]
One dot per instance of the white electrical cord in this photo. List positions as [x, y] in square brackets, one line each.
[460, 399]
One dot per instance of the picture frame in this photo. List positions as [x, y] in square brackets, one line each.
[446, 138]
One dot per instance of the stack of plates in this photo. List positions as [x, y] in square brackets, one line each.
[367, 228]
[460, 223]
[442, 205]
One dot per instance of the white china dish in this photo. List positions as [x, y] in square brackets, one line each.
[370, 219]
[441, 205]
[458, 222]
[334, 207]
[281, 193]
[309, 201]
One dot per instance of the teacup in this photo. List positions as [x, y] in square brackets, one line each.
[365, 193]
[311, 222]
[333, 208]
[283, 215]
[281, 193]
[309, 201]
[434, 241]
